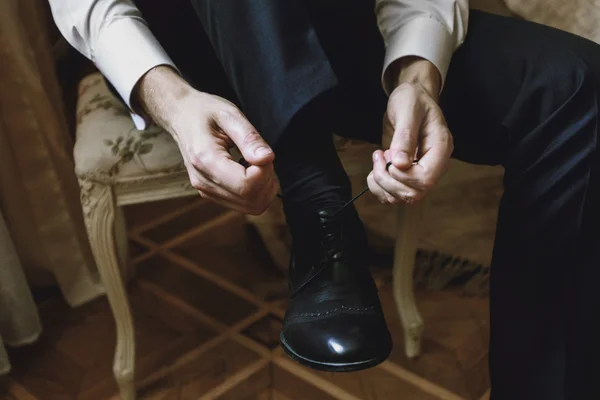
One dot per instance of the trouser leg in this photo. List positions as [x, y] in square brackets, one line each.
[271, 56]
[525, 96]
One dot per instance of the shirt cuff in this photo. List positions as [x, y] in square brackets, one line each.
[125, 51]
[423, 37]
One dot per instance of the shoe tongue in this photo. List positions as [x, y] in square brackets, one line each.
[312, 232]
[331, 233]
[309, 230]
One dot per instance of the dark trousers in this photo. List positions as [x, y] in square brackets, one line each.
[517, 94]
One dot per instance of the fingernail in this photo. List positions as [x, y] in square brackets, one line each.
[376, 156]
[262, 152]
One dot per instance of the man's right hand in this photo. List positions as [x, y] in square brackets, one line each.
[205, 127]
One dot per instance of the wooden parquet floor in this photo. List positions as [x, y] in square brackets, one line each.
[208, 304]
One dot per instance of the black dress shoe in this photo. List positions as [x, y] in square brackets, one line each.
[334, 321]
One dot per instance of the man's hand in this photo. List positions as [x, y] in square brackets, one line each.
[420, 144]
[205, 127]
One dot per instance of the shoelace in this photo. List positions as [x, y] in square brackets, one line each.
[332, 243]
[330, 236]
[246, 164]
[329, 233]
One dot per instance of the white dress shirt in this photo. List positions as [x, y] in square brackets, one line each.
[114, 35]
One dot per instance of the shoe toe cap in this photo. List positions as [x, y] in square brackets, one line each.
[346, 342]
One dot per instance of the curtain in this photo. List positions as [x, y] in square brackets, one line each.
[19, 321]
[43, 234]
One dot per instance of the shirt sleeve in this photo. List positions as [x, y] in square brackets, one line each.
[115, 37]
[430, 29]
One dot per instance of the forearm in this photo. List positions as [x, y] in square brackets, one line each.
[157, 93]
[418, 71]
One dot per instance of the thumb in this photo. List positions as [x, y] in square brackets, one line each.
[405, 138]
[252, 146]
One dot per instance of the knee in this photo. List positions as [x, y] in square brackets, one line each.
[556, 114]
[567, 80]
[569, 97]
[558, 100]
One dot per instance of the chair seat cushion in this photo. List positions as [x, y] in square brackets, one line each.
[108, 147]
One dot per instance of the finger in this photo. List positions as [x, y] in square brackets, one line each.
[274, 181]
[266, 197]
[217, 166]
[435, 160]
[388, 132]
[262, 198]
[406, 177]
[411, 178]
[261, 187]
[269, 191]
[259, 176]
[228, 201]
[252, 146]
[257, 179]
[381, 193]
[247, 206]
[407, 118]
[391, 186]
[377, 191]
[213, 167]
[208, 188]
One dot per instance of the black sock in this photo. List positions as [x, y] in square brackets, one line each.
[309, 170]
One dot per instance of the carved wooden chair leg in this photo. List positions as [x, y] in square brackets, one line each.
[100, 212]
[404, 263]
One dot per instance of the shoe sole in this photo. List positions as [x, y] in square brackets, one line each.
[332, 367]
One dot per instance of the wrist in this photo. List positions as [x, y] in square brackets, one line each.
[157, 93]
[417, 71]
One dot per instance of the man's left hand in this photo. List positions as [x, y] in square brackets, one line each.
[420, 146]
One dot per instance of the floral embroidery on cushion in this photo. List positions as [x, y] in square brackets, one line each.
[84, 86]
[104, 102]
[131, 147]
